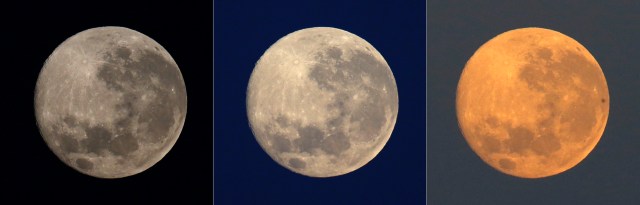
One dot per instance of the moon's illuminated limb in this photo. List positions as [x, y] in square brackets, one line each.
[322, 102]
[110, 102]
[532, 102]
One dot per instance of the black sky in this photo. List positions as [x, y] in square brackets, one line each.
[32, 173]
[608, 29]
[245, 174]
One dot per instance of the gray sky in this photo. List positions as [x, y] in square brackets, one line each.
[609, 175]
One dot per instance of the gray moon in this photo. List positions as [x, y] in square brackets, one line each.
[110, 102]
[322, 102]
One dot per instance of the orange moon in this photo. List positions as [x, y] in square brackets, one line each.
[532, 102]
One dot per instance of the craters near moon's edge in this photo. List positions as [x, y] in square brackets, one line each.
[346, 85]
[126, 104]
[531, 102]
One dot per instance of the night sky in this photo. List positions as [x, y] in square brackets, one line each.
[449, 173]
[609, 175]
[245, 174]
[31, 172]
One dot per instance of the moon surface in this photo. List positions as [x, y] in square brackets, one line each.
[110, 102]
[532, 102]
[322, 102]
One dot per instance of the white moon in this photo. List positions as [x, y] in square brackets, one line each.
[110, 102]
[322, 102]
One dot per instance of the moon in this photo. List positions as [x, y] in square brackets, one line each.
[322, 102]
[110, 102]
[532, 102]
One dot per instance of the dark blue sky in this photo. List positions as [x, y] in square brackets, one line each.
[245, 174]
[609, 175]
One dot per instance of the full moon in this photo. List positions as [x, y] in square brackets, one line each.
[110, 102]
[322, 102]
[532, 102]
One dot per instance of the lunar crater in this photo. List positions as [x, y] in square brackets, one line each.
[123, 113]
[547, 119]
[327, 107]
